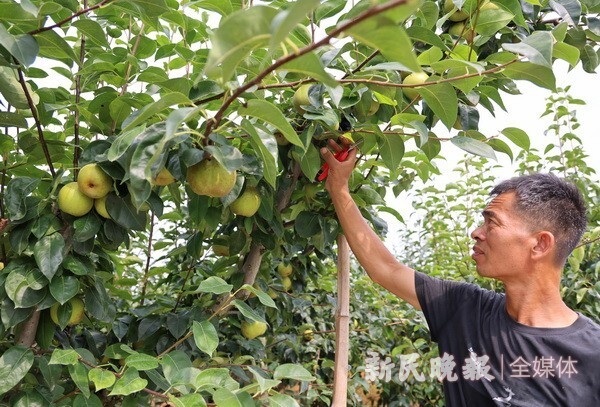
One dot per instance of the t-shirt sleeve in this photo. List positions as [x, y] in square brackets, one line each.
[440, 300]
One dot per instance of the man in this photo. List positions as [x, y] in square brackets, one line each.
[522, 348]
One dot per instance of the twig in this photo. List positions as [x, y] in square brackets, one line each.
[37, 121]
[66, 20]
[148, 258]
[587, 242]
[362, 64]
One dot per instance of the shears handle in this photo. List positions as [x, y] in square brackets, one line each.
[340, 156]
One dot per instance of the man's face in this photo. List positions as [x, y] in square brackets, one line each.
[503, 242]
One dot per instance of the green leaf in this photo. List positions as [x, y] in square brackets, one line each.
[14, 365]
[501, 146]
[517, 136]
[48, 254]
[152, 8]
[21, 290]
[189, 400]
[64, 287]
[264, 384]
[173, 363]
[78, 266]
[93, 31]
[474, 146]
[54, 46]
[292, 371]
[422, 34]
[32, 398]
[215, 285]
[392, 150]
[86, 227]
[282, 400]
[17, 190]
[441, 98]
[247, 311]
[310, 65]
[97, 302]
[264, 110]
[569, 10]
[141, 361]
[310, 163]
[12, 90]
[129, 383]
[536, 74]
[123, 142]
[101, 378]
[141, 116]
[91, 401]
[307, 224]
[213, 378]
[23, 47]
[287, 20]
[589, 59]
[64, 357]
[238, 34]
[490, 21]
[390, 39]
[79, 374]
[262, 296]
[226, 398]
[11, 119]
[537, 48]
[122, 211]
[205, 337]
[265, 146]
[566, 52]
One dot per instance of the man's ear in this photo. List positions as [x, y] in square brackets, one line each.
[545, 245]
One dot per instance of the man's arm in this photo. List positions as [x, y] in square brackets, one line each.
[376, 259]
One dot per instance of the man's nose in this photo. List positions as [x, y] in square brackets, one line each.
[476, 234]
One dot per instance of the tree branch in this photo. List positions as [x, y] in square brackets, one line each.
[37, 121]
[66, 20]
[214, 122]
[76, 151]
[29, 329]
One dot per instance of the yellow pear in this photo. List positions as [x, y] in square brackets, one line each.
[210, 178]
[414, 79]
[76, 311]
[301, 98]
[163, 178]
[74, 202]
[100, 205]
[247, 203]
[93, 181]
[251, 330]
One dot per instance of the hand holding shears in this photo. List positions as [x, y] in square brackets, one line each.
[341, 155]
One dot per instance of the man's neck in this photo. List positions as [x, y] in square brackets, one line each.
[538, 303]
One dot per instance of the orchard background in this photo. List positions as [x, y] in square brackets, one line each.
[166, 277]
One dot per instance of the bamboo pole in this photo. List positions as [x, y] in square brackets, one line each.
[342, 323]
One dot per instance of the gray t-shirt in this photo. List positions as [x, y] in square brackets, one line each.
[500, 362]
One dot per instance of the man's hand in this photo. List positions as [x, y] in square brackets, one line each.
[339, 171]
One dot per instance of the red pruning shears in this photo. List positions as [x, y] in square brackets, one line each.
[340, 156]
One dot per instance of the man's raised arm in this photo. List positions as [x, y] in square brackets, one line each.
[374, 257]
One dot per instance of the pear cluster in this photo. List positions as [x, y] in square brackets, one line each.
[77, 198]
[462, 26]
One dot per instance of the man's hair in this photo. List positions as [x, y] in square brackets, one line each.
[548, 202]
